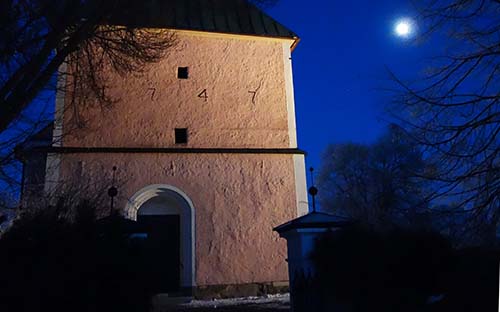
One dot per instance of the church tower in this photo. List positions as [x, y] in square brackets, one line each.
[204, 144]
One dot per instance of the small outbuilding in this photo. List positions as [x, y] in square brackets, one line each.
[301, 235]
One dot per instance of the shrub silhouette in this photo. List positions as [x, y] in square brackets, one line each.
[473, 284]
[393, 271]
[59, 258]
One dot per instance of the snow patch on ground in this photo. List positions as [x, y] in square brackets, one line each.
[269, 301]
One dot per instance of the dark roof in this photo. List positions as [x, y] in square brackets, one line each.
[314, 220]
[221, 16]
[42, 138]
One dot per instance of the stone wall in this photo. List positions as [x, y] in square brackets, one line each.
[237, 200]
[244, 81]
[239, 94]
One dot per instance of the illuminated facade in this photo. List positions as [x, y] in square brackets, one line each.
[205, 142]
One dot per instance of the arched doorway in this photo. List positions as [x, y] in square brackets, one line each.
[168, 215]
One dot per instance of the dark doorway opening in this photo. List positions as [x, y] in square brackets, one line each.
[162, 252]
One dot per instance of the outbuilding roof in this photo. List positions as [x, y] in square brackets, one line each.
[221, 16]
[316, 220]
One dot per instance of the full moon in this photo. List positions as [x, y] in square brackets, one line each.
[403, 28]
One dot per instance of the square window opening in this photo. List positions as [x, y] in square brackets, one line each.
[183, 72]
[181, 135]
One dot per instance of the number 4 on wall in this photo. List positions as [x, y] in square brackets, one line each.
[203, 95]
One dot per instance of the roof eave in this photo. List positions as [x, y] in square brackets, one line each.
[296, 41]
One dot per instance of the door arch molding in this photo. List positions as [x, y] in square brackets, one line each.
[187, 223]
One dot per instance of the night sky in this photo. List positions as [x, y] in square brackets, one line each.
[340, 65]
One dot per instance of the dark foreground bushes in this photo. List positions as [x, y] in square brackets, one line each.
[361, 270]
[51, 262]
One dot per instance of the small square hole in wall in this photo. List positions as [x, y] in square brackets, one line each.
[181, 136]
[182, 72]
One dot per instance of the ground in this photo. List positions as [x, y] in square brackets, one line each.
[272, 303]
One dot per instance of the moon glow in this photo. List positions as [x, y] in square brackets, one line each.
[404, 28]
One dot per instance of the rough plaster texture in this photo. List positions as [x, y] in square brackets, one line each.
[237, 199]
[152, 105]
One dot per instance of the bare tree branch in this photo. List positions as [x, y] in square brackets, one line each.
[454, 110]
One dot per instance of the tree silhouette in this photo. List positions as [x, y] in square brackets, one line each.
[454, 110]
[376, 184]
